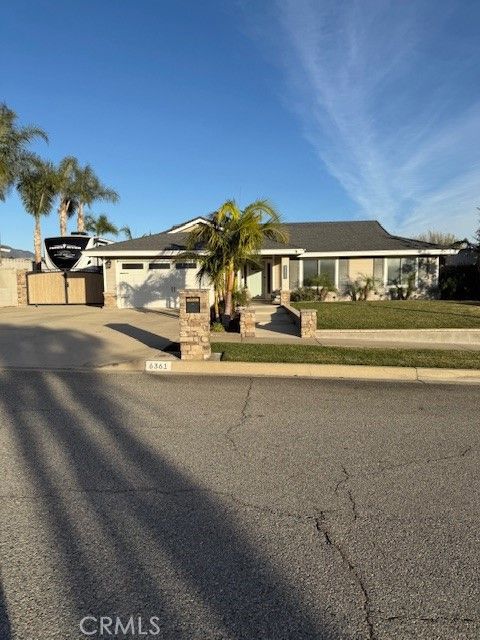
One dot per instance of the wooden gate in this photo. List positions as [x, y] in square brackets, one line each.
[72, 287]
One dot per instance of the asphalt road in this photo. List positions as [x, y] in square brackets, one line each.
[237, 509]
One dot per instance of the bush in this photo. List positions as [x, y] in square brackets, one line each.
[217, 327]
[460, 282]
[304, 294]
[242, 297]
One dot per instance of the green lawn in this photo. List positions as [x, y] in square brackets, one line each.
[397, 314]
[444, 359]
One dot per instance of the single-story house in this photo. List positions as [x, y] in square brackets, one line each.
[145, 272]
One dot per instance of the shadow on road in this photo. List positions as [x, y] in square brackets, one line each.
[126, 530]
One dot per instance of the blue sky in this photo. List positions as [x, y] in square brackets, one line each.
[334, 110]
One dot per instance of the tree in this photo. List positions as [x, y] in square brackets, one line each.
[126, 232]
[100, 226]
[88, 189]
[234, 237]
[66, 173]
[37, 187]
[14, 154]
[438, 237]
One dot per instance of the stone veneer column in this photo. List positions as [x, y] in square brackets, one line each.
[284, 296]
[247, 323]
[194, 325]
[308, 323]
[109, 299]
[22, 293]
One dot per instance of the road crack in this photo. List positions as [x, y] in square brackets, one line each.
[244, 416]
[322, 527]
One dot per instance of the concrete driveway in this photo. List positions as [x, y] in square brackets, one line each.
[80, 336]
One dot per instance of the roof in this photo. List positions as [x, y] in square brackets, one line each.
[317, 237]
[363, 235]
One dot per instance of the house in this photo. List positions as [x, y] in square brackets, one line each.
[145, 272]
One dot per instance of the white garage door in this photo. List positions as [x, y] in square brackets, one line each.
[153, 284]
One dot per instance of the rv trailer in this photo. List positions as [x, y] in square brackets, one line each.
[65, 253]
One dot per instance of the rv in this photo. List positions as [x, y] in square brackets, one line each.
[65, 253]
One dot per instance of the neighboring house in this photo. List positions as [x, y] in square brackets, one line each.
[144, 272]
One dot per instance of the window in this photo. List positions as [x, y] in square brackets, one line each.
[400, 269]
[378, 270]
[294, 274]
[313, 267]
[159, 265]
[186, 265]
[310, 269]
[343, 265]
[326, 268]
[132, 265]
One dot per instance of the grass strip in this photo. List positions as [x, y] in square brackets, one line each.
[436, 358]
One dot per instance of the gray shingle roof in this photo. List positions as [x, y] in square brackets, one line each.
[364, 235]
[337, 237]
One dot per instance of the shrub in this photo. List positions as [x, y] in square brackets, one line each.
[242, 297]
[304, 294]
[217, 327]
[460, 282]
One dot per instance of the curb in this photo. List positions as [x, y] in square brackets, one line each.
[317, 371]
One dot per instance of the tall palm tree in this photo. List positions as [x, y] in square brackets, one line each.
[66, 172]
[37, 187]
[14, 154]
[89, 189]
[100, 226]
[236, 236]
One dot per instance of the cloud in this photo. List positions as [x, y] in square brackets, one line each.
[382, 91]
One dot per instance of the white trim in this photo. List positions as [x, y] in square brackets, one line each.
[336, 283]
[191, 223]
[278, 252]
[281, 252]
[369, 254]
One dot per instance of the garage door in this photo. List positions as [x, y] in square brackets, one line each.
[153, 284]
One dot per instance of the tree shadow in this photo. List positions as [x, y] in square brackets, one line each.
[5, 629]
[127, 532]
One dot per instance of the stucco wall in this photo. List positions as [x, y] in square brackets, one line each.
[358, 267]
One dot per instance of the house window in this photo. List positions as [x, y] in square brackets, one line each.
[159, 265]
[313, 267]
[326, 267]
[399, 270]
[186, 265]
[294, 281]
[132, 265]
[343, 265]
[378, 272]
[310, 269]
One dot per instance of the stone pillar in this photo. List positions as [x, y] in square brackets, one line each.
[247, 323]
[194, 324]
[109, 299]
[284, 297]
[308, 323]
[22, 293]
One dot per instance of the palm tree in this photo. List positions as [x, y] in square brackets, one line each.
[66, 172]
[37, 186]
[235, 237]
[100, 226]
[14, 155]
[88, 189]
